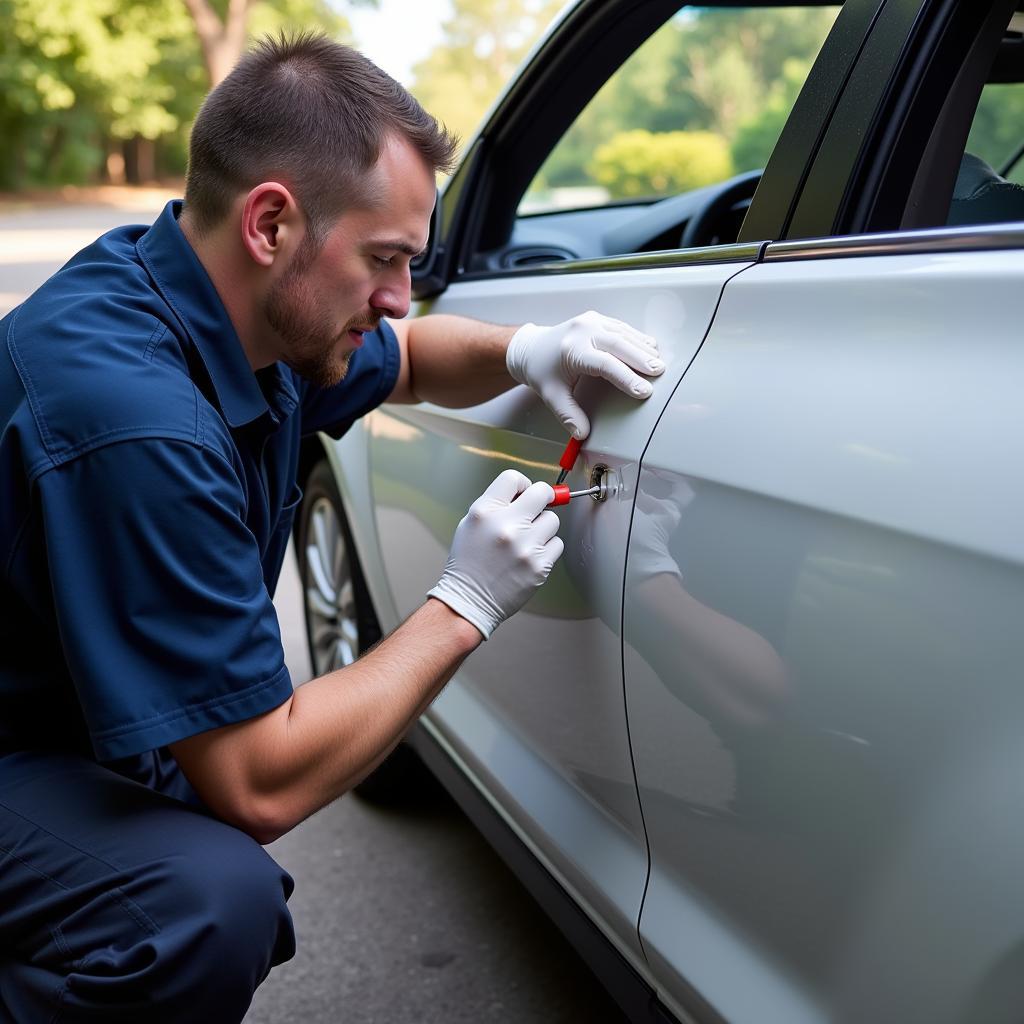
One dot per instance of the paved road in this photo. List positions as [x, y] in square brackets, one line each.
[401, 916]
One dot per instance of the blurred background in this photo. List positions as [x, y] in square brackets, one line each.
[103, 92]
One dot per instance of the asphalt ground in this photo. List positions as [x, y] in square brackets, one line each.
[402, 915]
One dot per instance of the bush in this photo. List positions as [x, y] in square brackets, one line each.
[642, 163]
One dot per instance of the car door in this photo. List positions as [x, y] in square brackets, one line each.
[822, 616]
[537, 716]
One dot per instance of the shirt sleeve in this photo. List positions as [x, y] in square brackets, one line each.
[372, 373]
[164, 616]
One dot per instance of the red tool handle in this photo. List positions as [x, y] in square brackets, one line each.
[568, 459]
[562, 495]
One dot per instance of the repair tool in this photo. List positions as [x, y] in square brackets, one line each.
[567, 461]
[563, 495]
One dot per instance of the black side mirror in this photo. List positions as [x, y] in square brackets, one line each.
[428, 270]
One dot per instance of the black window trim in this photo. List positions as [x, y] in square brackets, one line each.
[883, 128]
[785, 176]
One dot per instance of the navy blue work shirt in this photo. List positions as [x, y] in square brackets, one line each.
[147, 491]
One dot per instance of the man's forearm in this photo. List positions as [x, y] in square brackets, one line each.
[458, 362]
[342, 725]
[268, 774]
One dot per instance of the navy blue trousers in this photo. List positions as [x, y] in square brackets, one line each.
[122, 903]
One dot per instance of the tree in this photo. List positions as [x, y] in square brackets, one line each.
[78, 74]
[221, 38]
[726, 71]
[92, 88]
[223, 26]
[484, 43]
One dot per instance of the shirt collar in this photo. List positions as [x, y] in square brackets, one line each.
[188, 290]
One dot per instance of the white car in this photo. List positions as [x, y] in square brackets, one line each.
[758, 743]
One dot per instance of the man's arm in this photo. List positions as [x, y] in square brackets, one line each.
[451, 360]
[267, 774]
[455, 361]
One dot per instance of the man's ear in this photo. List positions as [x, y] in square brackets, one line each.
[272, 223]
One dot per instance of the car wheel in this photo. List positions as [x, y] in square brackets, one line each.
[340, 620]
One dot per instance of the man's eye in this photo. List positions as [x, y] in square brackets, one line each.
[381, 261]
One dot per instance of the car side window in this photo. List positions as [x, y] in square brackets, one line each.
[990, 184]
[703, 100]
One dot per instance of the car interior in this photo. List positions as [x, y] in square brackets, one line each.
[983, 195]
[510, 239]
[703, 216]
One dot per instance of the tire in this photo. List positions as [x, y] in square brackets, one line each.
[340, 621]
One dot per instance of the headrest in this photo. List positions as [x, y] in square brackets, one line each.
[974, 175]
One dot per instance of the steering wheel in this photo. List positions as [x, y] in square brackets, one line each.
[700, 228]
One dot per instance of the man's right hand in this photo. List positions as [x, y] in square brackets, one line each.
[503, 549]
[267, 773]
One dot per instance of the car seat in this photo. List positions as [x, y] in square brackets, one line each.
[981, 196]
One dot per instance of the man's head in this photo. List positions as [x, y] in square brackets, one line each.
[302, 162]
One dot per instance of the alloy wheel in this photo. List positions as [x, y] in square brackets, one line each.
[330, 591]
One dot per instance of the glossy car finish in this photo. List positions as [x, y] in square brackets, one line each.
[548, 729]
[762, 723]
[823, 703]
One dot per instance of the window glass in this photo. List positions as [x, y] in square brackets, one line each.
[990, 185]
[705, 98]
[997, 133]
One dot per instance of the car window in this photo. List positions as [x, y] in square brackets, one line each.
[997, 132]
[990, 184]
[703, 99]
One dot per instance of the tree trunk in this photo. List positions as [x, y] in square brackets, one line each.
[131, 161]
[54, 146]
[222, 42]
[145, 159]
[12, 172]
[115, 165]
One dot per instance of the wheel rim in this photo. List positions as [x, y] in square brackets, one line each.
[330, 592]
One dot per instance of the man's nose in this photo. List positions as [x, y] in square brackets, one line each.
[393, 298]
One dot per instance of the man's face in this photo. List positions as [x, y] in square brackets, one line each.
[330, 295]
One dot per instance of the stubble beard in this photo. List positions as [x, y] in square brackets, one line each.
[310, 341]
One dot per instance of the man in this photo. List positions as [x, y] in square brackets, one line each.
[153, 395]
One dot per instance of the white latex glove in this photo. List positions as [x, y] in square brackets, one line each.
[552, 359]
[503, 549]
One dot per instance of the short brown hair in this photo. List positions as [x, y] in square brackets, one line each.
[310, 112]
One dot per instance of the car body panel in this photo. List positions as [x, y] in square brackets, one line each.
[762, 724]
[537, 713]
[824, 717]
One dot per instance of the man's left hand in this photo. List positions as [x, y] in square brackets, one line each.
[552, 359]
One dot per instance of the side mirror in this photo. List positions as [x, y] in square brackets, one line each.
[428, 270]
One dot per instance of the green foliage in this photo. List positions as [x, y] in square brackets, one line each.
[998, 128]
[706, 96]
[729, 71]
[79, 72]
[641, 163]
[483, 45]
[78, 77]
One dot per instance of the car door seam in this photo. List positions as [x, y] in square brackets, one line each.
[622, 604]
